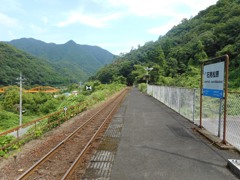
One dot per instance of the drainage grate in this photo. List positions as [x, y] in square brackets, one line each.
[101, 163]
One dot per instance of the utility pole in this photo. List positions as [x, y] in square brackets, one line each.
[20, 101]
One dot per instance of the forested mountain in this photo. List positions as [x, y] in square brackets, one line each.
[36, 71]
[176, 57]
[75, 61]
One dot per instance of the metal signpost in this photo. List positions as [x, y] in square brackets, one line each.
[88, 88]
[147, 69]
[21, 79]
[214, 83]
[65, 110]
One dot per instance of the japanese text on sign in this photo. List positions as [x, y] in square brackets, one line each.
[213, 80]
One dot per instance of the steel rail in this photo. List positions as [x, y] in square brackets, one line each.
[78, 159]
[53, 151]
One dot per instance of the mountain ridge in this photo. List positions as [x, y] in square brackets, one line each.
[69, 56]
[13, 61]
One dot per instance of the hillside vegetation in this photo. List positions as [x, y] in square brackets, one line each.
[177, 56]
[40, 104]
[76, 62]
[36, 71]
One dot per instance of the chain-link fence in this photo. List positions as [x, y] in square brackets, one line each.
[187, 103]
[181, 100]
[233, 119]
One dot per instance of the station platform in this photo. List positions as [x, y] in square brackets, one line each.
[157, 143]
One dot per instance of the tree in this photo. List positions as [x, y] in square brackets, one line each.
[139, 73]
[11, 100]
[200, 54]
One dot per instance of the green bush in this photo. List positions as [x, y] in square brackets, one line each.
[4, 140]
[49, 106]
[38, 133]
[142, 87]
[8, 120]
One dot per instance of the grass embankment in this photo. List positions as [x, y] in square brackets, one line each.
[39, 104]
[10, 120]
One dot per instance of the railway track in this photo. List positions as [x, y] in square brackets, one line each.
[62, 161]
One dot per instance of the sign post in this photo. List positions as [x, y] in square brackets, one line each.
[88, 88]
[65, 110]
[214, 83]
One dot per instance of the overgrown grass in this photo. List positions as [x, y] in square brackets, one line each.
[142, 87]
[8, 120]
[74, 107]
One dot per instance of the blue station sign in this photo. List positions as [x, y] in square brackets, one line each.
[213, 80]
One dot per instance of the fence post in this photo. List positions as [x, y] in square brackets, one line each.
[18, 132]
[225, 99]
[201, 94]
[219, 117]
[179, 100]
[193, 108]
[164, 95]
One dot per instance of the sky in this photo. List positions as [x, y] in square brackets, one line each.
[114, 25]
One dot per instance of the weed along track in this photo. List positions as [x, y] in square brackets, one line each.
[74, 151]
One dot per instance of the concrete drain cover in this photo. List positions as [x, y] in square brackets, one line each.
[101, 163]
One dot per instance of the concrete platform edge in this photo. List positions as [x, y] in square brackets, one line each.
[215, 140]
[234, 166]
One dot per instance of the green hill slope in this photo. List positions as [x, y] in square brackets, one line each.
[36, 71]
[77, 61]
[177, 56]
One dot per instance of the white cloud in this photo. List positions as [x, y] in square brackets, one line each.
[93, 20]
[37, 29]
[44, 19]
[164, 28]
[197, 6]
[161, 30]
[194, 7]
[11, 6]
[8, 21]
[143, 8]
[11, 35]
[156, 8]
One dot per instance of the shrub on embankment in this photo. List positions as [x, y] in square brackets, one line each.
[74, 103]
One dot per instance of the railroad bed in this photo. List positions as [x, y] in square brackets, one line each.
[66, 155]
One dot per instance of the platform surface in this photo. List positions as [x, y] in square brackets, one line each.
[157, 143]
